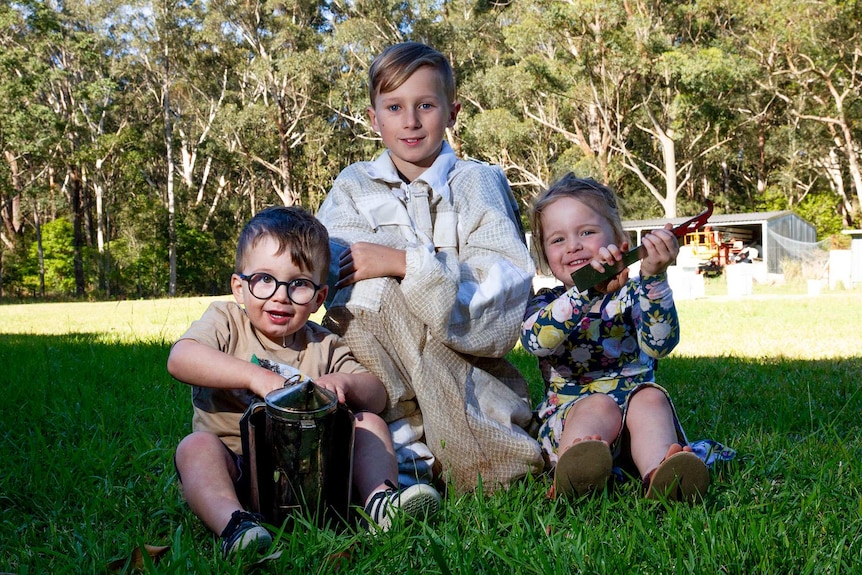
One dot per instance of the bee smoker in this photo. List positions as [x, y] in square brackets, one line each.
[298, 445]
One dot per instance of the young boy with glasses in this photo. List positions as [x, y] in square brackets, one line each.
[220, 356]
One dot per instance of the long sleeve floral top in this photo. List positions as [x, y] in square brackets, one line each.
[602, 344]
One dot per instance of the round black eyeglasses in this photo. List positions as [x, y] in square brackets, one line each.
[263, 286]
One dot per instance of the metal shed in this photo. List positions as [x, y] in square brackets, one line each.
[758, 228]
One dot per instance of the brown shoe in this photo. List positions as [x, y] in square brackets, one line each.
[582, 468]
[680, 477]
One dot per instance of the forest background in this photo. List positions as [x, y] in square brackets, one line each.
[138, 136]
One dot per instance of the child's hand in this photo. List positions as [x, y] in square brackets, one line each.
[337, 383]
[610, 256]
[615, 283]
[266, 381]
[365, 260]
[662, 248]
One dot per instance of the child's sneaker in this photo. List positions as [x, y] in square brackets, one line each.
[244, 531]
[419, 500]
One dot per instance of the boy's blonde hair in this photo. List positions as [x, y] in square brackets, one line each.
[295, 230]
[398, 62]
[598, 197]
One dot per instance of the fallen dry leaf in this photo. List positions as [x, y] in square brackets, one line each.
[337, 561]
[136, 559]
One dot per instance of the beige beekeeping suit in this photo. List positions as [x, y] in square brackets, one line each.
[437, 338]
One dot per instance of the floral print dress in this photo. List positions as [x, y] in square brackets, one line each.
[593, 343]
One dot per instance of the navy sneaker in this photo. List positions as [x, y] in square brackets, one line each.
[244, 531]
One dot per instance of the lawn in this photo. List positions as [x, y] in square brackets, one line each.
[90, 418]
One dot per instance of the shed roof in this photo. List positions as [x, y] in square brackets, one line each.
[720, 219]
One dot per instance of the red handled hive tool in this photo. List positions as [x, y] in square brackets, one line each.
[588, 277]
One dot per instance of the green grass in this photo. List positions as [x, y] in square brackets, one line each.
[90, 419]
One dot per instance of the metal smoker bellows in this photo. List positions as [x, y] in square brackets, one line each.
[298, 444]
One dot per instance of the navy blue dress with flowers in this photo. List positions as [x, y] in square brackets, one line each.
[603, 344]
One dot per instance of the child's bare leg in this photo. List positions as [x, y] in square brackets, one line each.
[373, 456]
[595, 417]
[208, 472]
[651, 427]
[375, 473]
[584, 463]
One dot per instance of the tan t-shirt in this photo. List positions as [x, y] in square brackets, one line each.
[314, 351]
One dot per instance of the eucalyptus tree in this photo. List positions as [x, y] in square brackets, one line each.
[95, 120]
[758, 31]
[493, 89]
[27, 135]
[77, 93]
[774, 160]
[824, 61]
[639, 87]
[279, 84]
[558, 74]
[685, 89]
[471, 35]
[180, 78]
[26, 126]
[149, 41]
[58, 73]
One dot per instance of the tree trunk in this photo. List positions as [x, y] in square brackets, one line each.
[169, 157]
[77, 230]
[852, 160]
[39, 251]
[668, 154]
[287, 193]
[11, 208]
[761, 158]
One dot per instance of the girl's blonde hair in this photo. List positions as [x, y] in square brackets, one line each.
[598, 197]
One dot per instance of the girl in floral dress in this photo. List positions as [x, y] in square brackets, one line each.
[598, 350]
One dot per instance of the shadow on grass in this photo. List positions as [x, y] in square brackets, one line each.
[725, 395]
[88, 431]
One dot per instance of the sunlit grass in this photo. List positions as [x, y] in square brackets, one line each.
[126, 320]
[764, 324]
[793, 326]
[90, 419]
[121, 321]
